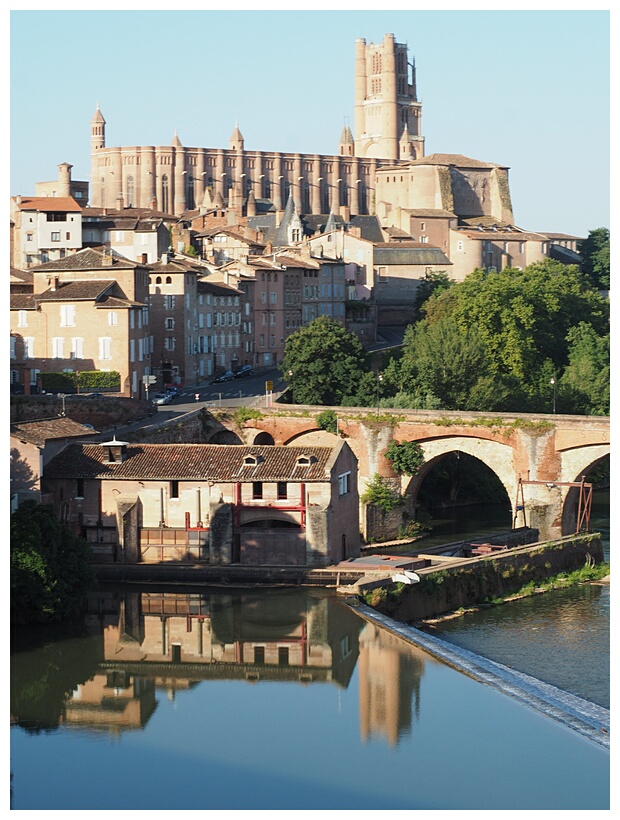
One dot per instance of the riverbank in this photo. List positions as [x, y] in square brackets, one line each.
[558, 582]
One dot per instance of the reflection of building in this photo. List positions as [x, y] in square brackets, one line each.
[221, 503]
[113, 701]
[390, 671]
[280, 636]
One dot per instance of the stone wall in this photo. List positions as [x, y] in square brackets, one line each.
[101, 412]
[471, 584]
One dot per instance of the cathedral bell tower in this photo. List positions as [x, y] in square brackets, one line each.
[386, 105]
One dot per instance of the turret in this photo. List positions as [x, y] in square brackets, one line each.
[346, 142]
[97, 130]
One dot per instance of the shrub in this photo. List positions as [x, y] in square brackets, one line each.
[380, 494]
[328, 420]
[406, 457]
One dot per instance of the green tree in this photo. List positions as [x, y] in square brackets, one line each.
[50, 567]
[442, 360]
[406, 457]
[595, 255]
[586, 379]
[522, 317]
[433, 283]
[323, 363]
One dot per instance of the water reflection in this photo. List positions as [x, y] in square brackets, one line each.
[390, 674]
[141, 643]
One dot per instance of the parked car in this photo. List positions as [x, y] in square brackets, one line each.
[172, 390]
[225, 377]
[162, 398]
[245, 370]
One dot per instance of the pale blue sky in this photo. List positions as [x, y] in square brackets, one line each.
[527, 89]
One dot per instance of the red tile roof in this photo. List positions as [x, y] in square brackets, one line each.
[41, 430]
[193, 462]
[48, 203]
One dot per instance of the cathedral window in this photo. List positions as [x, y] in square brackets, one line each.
[376, 63]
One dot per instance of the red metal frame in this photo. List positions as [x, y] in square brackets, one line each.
[584, 507]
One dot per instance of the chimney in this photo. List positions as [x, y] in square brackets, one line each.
[54, 282]
[144, 258]
[114, 451]
[18, 200]
[165, 258]
[107, 259]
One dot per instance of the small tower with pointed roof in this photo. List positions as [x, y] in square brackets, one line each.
[347, 143]
[236, 139]
[97, 130]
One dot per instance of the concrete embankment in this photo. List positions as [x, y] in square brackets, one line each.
[588, 719]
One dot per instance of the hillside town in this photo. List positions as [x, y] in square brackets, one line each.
[175, 264]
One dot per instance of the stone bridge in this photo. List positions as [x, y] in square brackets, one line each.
[551, 449]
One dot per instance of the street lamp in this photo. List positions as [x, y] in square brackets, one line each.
[63, 397]
[379, 380]
[552, 383]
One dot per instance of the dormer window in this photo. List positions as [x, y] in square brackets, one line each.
[306, 461]
[252, 461]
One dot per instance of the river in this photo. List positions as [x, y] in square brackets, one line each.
[211, 699]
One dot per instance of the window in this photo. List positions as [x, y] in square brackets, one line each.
[56, 216]
[282, 490]
[22, 318]
[169, 324]
[263, 297]
[259, 654]
[77, 348]
[55, 236]
[174, 489]
[257, 490]
[28, 347]
[344, 483]
[283, 655]
[273, 298]
[169, 343]
[67, 315]
[79, 489]
[13, 342]
[29, 237]
[169, 302]
[57, 347]
[112, 317]
[105, 347]
[422, 226]
[120, 236]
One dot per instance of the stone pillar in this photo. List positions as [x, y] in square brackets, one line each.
[146, 190]
[180, 181]
[315, 189]
[354, 202]
[296, 183]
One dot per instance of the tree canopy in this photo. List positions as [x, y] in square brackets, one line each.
[323, 363]
[50, 567]
[595, 255]
[493, 341]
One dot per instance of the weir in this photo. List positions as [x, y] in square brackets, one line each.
[582, 716]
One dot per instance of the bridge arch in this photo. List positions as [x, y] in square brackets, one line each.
[584, 461]
[494, 455]
[264, 438]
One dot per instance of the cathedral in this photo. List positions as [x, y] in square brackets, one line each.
[380, 170]
[175, 178]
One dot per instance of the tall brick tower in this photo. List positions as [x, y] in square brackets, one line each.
[386, 104]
